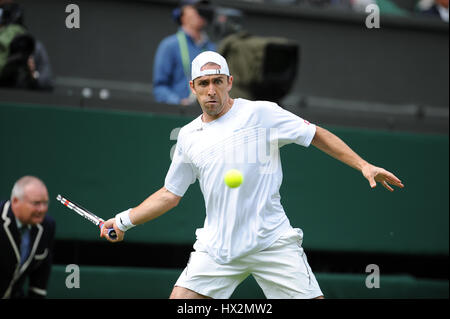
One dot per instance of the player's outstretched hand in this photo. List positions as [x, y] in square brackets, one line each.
[111, 223]
[376, 174]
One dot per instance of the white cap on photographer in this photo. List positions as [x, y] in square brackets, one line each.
[198, 65]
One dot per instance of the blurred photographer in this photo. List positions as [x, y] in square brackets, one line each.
[24, 62]
[172, 64]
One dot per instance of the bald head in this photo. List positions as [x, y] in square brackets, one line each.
[29, 200]
[19, 186]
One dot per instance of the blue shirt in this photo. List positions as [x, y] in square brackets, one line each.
[170, 84]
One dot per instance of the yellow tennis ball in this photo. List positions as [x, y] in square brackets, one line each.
[233, 178]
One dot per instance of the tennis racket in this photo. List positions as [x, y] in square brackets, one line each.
[86, 214]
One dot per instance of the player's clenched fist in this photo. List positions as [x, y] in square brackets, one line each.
[121, 223]
[111, 223]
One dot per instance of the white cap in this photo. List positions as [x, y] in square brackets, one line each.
[205, 57]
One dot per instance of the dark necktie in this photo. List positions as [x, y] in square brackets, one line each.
[24, 244]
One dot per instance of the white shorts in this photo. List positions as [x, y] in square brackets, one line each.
[282, 271]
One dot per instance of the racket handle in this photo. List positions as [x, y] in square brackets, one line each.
[111, 232]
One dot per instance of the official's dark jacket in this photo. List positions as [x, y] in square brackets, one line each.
[38, 265]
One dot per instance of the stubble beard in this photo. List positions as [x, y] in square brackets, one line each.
[214, 111]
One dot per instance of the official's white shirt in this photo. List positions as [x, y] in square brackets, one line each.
[249, 218]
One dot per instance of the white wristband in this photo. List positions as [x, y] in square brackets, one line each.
[123, 220]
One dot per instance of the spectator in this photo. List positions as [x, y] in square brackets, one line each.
[171, 70]
[24, 62]
[26, 240]
[434, 8]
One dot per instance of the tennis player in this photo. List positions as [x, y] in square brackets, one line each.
[246, 230]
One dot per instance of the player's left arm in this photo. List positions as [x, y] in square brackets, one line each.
[337, 148]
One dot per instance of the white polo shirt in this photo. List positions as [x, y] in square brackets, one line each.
[249, 218]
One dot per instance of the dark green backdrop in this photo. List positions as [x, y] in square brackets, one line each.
[109, 161]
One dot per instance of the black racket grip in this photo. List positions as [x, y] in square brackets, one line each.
[111, 231]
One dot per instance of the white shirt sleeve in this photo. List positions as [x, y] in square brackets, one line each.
[288, 127]
[181, 173]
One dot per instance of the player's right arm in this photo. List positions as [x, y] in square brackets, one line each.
[179, 176]
[154, 206]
